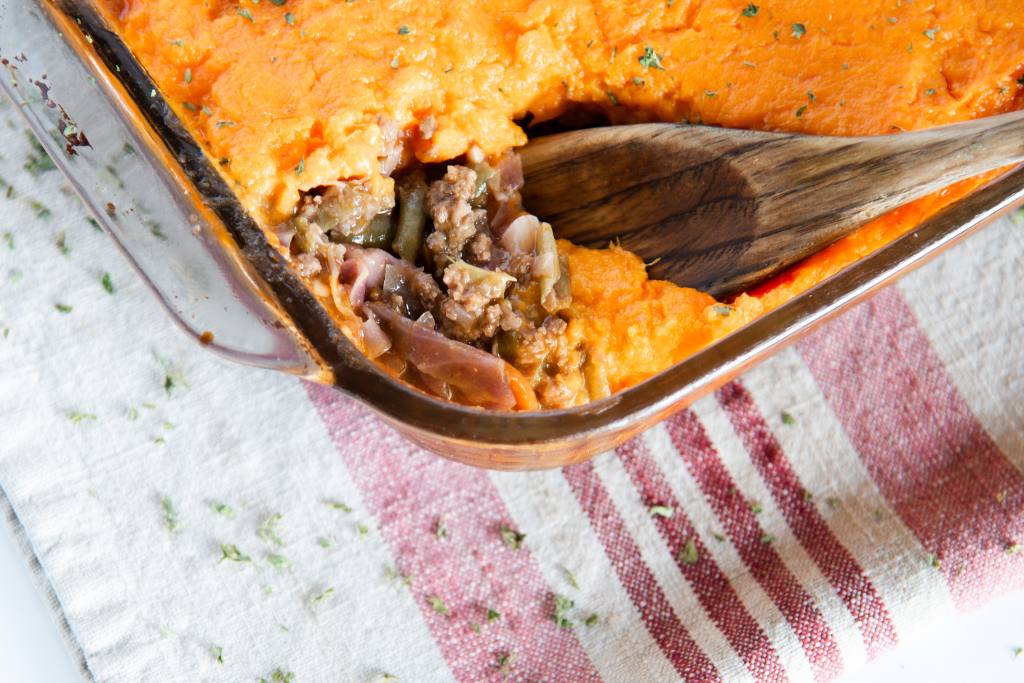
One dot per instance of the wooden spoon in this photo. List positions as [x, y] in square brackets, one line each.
[724, 209]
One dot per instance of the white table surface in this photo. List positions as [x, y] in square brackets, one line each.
[977, 647]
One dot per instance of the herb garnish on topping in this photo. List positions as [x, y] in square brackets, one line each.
[650, 59]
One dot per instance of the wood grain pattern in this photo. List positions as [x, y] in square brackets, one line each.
[724, 209]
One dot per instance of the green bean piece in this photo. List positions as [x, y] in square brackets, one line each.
[377, 233]
[412, 216]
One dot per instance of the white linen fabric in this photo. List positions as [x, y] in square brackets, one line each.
[199, 520]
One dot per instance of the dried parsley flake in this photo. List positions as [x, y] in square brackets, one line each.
[689, 554]
[320, 597]
[437, 604]
[222, 509]
[170, 515]
[267, 530]
[512, 538]
[650, 59]
[661, 511]
[279, 676]
[278, 562]
[230, 551]
[560, 615]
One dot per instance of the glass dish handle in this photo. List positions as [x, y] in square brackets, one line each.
[78, 113]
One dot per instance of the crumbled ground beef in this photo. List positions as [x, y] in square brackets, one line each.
[425, 289]
[457, 323]
[456, 222]
[538, 344]
[476, 307]
[520, 267]
[546, 354]
[474, 293]
[480, 249]
[560, 390]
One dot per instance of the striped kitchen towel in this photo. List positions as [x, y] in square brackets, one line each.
[197, 520]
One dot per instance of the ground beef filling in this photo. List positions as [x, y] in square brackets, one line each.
[459, 256]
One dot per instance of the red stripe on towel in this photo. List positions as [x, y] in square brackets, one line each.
[408, 490]
[754, 547]
[924, 447]
[837, 564]
[710, 585]
[662, 622]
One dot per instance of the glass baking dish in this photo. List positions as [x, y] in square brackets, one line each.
[150, 186]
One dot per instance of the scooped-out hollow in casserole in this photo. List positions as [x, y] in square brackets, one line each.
[375, 143]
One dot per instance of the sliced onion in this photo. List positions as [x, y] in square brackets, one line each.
[489, 283]
[546, 264]
[520, 237]
[335, 254]
[479, 378]
[394, 279]
[509, 178]
[362, 270]
[285, 233]
[437, 386]
[504, 214]
[376, 342]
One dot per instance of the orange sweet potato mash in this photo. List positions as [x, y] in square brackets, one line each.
[288, 95]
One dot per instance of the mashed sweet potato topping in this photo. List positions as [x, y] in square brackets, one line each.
[311, 105]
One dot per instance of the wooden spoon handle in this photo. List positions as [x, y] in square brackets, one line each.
[842, 181]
